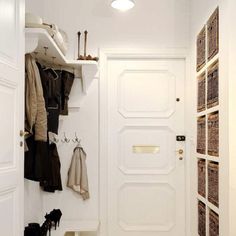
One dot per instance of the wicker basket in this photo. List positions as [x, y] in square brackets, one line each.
[201, 135]
[213, 183]
[213, 34]
[213, 134]
[201, 219]
[201, 106]
[213, 224]
[202, 177]
[201, 49]
[213, 86]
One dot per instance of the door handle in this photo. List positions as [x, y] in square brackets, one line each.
[23, 133]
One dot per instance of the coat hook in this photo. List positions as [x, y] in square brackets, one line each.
[65, 140]
[45, 50]
[53, 60]
[76, 140]
[55, 140]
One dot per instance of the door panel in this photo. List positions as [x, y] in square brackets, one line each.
[7, 125]
[142, 161]
[139, 212]
[133, 99]
[146, 179]
[9, 30]
[12, 116]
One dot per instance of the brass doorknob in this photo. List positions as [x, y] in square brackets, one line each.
[180, 151]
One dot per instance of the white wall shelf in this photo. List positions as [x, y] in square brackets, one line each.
[76, 227]
[36, 39]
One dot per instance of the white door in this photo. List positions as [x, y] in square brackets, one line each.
[146, 174]
[12, 116]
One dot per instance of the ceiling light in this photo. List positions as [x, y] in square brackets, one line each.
[122, 5]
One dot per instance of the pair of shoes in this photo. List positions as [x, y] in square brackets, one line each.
[33, 229]
[55, 217]
[46, 226]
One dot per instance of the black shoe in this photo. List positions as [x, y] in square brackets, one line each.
[33, 229]
[55, 217]
[47, 225]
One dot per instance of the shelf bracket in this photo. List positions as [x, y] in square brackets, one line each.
[88, 73]
[31, 43]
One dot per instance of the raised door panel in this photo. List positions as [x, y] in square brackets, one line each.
[146, 207]
[146, 93]
[8, 125]
[9, 223]
[146, 150]
[9, 31]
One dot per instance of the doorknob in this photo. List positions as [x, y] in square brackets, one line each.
[180, 151]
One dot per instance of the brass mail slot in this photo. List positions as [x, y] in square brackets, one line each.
[146, 149]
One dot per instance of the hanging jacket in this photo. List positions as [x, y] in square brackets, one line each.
[77, 174]
[52, 182]
[67, 80]
[36, 116]
[52, 96]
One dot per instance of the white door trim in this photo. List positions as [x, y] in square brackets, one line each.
[105, 55]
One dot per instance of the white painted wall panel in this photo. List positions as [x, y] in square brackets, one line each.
[151, 24]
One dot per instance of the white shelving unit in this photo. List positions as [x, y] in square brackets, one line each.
[37, 39]
[208, 158]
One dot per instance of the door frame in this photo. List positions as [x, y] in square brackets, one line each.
[116, 53]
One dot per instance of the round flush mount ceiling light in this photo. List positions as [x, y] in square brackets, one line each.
[122, 5]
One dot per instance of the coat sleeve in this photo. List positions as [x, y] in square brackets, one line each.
[30, 96]
[41, 117]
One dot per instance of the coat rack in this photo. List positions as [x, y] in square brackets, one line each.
[65, 139]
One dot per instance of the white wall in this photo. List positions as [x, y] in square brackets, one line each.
[231, 46]
[151, 24]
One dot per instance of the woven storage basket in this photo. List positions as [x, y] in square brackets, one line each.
[202, 177]
[213, 34]
[213, 183]
[213, 134]
[201, 49]
[201, 106]
[201, 219]
[201, 135]
[213, 224]
[213, 86]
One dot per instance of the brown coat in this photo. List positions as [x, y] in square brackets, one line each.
[36, 115]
